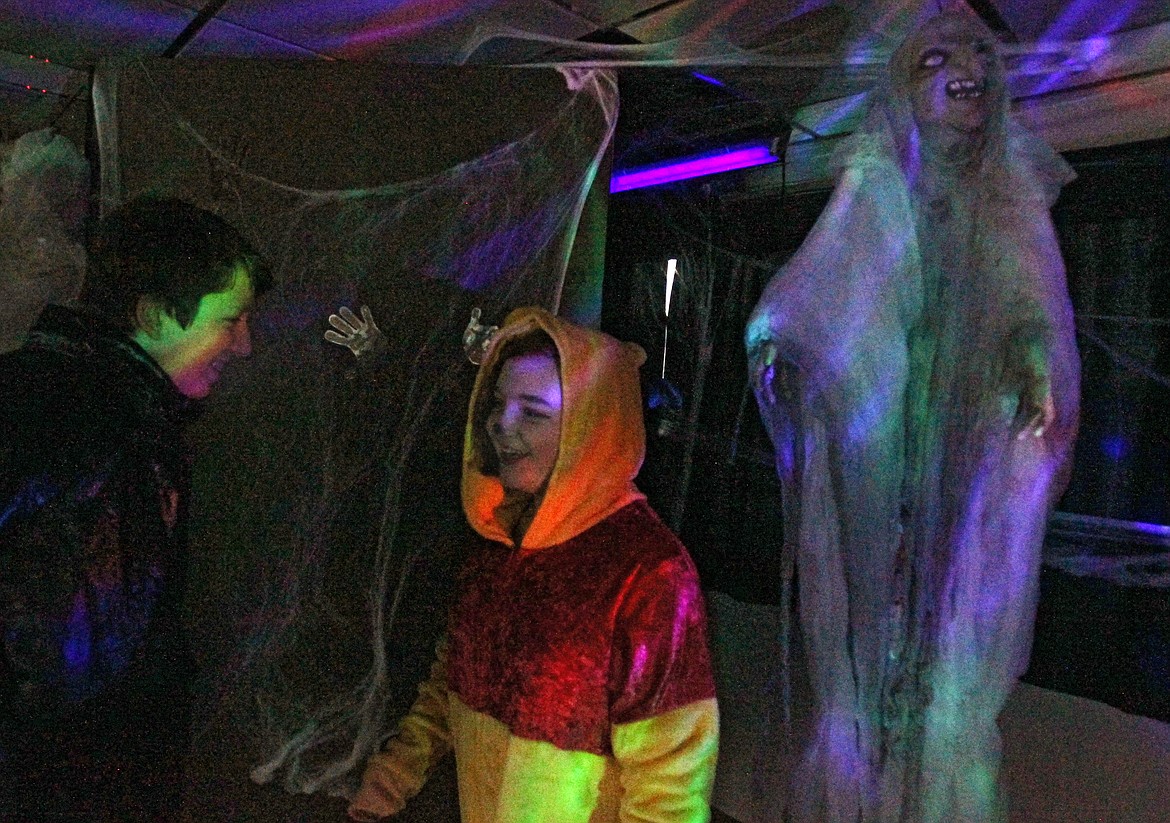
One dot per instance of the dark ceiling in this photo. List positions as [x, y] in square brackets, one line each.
[783, 54]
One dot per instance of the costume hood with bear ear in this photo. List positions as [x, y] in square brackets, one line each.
[602, 444]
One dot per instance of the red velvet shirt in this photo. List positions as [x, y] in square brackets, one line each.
[560, 643]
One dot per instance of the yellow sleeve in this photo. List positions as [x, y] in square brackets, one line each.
[398, 772]
[667, 764]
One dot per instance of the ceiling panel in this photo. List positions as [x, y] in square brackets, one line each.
[35, 91]
[80, 32]
[849, 38]
[745, 24]
[609, 13]
[221, 39]
[39, 75]
[427, 31]
[1035, 20]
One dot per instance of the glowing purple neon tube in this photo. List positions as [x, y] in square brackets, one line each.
[711, 163]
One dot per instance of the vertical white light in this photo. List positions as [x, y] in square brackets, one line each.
[671, 271]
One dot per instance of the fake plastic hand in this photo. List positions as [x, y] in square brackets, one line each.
[358, 335]
[477, 338]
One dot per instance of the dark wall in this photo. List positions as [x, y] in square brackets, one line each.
[317, 475]
[1114, 228]
[709, 469]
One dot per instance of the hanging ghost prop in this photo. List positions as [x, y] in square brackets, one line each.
[44, 185]
[915, 366]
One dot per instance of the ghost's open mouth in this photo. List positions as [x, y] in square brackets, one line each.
[965, 89]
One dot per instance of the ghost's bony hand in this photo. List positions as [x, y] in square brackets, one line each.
[1037, 409]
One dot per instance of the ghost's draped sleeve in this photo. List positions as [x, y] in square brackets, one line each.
[855, 276]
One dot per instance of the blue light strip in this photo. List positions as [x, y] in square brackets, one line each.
[706, 78]
[728, 159]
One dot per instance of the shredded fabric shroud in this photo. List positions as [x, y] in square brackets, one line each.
[923, 317]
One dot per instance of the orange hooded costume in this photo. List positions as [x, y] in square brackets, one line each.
[575, 682]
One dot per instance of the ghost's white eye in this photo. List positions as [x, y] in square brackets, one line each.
[933, 59]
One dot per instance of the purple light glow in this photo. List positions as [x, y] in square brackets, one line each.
[79, 639]
[1069, 523]
[1115, 446]
[1074, 17]
[1153, 529]
[699, 166]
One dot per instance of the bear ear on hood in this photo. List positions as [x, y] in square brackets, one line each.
[636, 353]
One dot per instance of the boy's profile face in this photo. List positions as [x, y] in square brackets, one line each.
[193, 357]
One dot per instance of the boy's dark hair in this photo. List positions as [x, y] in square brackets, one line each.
[167, 249]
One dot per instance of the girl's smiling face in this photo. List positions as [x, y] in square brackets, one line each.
[524, 421]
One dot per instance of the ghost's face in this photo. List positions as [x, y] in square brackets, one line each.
[954, 78]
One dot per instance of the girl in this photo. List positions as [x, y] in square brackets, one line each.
[575, 681]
